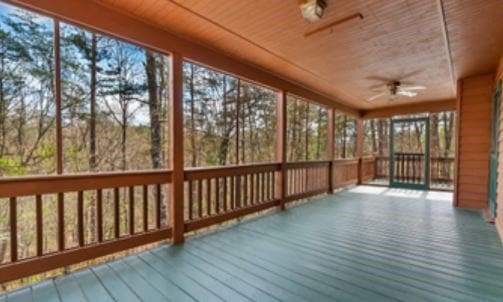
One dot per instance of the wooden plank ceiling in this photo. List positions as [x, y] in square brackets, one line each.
[396, 40]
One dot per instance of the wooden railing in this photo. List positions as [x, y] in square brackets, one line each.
[382, 167]
[345, 172]
[368, 168]
[409, 167]
[214, 195]
[441, 169]
[121, 189]
[131, 209]
[306, 179]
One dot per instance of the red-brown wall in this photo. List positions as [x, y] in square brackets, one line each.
[499, 200]
[474, 141]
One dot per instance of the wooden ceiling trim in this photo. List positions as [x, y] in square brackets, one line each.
[403, 109]
[109, 21]
[448, 50]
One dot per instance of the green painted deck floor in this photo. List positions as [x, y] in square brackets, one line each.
[363, 244]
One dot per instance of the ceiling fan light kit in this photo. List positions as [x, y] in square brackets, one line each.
[312, 10]
[394, 89]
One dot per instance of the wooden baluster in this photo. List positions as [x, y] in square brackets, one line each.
[268, 187]
[145, 208]
[158, 200]
[80, 217]
[263, 187]
[131, 210]
[208, 197]
[245, 191]
[40, 225]
[233, 193]
[217, 195]
[403, 167]
[238, 191]
[13, 228]
[61, 221]
[226, 199]
[117, 214]
[252, 187]
[273, 187]
[191, 200]
[258, 188]
[406, 167]
[99, 215]
[200, 198]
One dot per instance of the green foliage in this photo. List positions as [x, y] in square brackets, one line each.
[11, 166]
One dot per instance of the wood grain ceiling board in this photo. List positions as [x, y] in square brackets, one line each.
[398, 39]
[476, 35]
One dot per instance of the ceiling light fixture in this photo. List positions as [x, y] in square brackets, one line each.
[312, 10]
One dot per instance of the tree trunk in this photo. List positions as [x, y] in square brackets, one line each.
[307, 131]
[435, 143]
[154, 110]
[224, 144]
[192, 122]
[318, 138]
[92, 117]
[448, 118]
[373, 136]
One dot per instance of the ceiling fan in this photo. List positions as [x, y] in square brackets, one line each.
[393, 90]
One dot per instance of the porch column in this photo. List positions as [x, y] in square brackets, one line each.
[359, 148]
[330, 148]
[176, 149]
[281, 148]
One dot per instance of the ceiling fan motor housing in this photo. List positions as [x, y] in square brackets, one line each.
[393, 87]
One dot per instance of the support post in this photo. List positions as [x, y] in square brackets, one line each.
[359, 148]
[330, 147]
[281, 142]
[176, 149]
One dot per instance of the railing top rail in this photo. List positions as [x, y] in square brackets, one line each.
[235, 170]
[346, 161]
[409, 153]
[308, 163]
[49, 184]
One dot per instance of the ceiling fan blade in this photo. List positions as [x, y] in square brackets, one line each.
[407, 93]
[407, 87]
[375, 97]
[379, 89]
[378, 78]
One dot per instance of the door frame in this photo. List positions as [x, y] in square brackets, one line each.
[392, 183]
[494, 155]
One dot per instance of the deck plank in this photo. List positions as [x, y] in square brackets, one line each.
[92, 288]
[118, 289]
[45, 292]
[68, 289]
[362, 244]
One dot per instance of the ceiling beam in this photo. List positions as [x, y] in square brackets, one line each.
[97, 17]
[414, 108]
[447, 43]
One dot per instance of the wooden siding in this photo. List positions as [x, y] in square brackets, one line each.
[474, 141]
[499, 200]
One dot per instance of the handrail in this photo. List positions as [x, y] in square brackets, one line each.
[212, 195]
[234, 170]
[47, 184]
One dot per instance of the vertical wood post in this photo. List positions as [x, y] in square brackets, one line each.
[59, 133]
[176, 149]
[330, 147]
[359, 148]
[281, 142]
